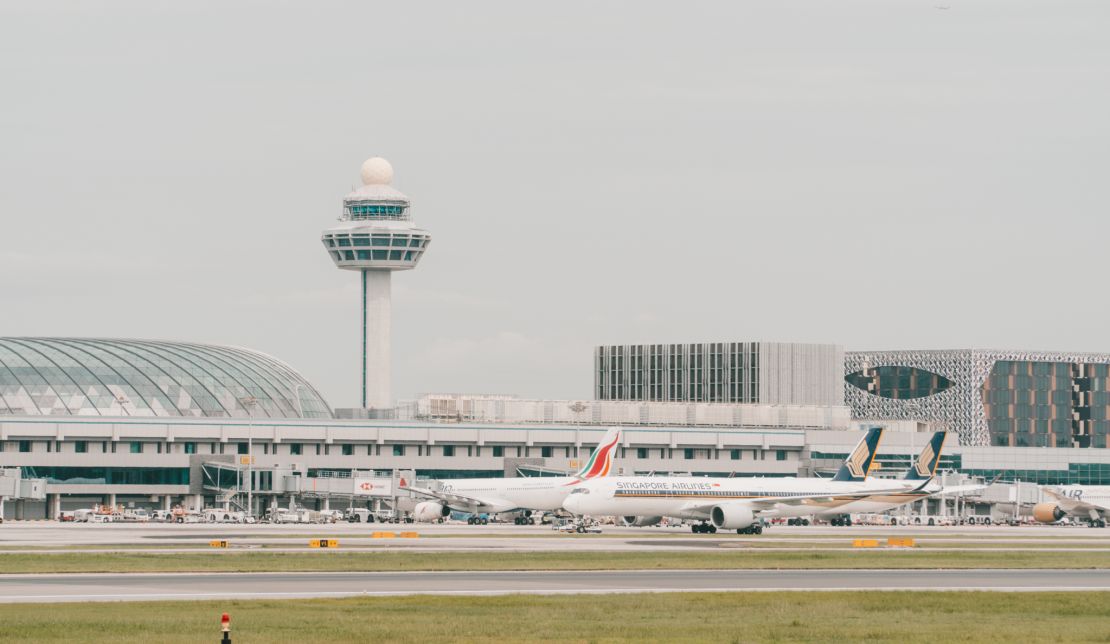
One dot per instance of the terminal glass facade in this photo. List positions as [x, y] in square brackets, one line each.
[86, 377]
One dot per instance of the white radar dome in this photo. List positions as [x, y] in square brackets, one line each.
[377, 171]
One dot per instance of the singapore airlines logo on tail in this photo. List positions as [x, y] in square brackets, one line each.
[858, 460]
[924, 464]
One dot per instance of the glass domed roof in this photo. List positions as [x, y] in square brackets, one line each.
[88, 377]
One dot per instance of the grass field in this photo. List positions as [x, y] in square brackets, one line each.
[339, 560]
[898, 617]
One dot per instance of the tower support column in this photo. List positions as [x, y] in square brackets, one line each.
[376, 329]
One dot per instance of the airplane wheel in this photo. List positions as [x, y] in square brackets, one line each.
[805, 521]
[848, 522]
[712, 529]
[485, 521]
[758, 528]
[470, 521]
[694, 529]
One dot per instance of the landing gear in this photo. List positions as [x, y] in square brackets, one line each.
[842, 520]
[477, 521]
[798, 521]
[703, 528]
[1097, 523]
[755, 528]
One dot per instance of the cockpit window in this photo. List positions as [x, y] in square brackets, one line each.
[580, 490]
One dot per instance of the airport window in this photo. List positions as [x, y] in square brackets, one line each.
[688, 454]
[545, 452]
[498, 451]
[780, 455]
[136, 447]
[398, 450]
[735, 454]
[641, 452]
[81, 447]
[295, 449]
[448, 450]
[48, 449]
[241, 448]
[190, 448]
[348, 450]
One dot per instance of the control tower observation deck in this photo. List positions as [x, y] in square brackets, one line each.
[376, 236]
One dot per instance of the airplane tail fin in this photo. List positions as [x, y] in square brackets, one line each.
[858, 463]
[601, 460]
[925, 467]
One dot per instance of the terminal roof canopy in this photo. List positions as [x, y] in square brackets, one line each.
[92, 377]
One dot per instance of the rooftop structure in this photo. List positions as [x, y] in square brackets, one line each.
[90, 377]
[769, 373]
[376, 236]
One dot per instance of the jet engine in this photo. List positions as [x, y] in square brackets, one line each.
[640, 522]
[429, 511]
[1047, 512]
[733, 516]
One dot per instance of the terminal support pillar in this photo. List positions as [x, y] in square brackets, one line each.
[166, 502]
[377, 318]
[1, 508]
[18, 510]
[53, 506]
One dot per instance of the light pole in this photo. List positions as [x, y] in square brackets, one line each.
[250, 402]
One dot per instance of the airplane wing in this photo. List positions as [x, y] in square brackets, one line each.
[463, 503]
[961, 489]
[1073, 506]
[824, 501]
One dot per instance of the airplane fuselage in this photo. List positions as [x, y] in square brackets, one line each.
[692, 497]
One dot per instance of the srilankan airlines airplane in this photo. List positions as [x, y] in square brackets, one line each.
[735, 503]
[493, 496]
[1090, 503]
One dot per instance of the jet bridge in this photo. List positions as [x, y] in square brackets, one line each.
[228, 482]
[16, 488]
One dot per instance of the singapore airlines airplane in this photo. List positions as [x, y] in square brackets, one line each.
[1088, 502]
[923, 470]
[734, 503]
[492, 496]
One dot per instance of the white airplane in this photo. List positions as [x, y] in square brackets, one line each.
[528, 493]
[734, 503]
[1088, 502]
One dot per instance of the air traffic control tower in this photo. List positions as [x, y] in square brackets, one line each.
[376, 236]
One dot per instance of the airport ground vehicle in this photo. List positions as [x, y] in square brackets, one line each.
[362, 515]
[213, 515]
[66, 516]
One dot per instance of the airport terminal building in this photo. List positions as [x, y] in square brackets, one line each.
[152, 424]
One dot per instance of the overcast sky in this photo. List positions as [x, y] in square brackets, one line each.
[917, 174]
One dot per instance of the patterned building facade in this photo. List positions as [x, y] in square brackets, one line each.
[996, 398]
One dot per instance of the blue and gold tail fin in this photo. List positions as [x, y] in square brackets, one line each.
[858, 463]
[924, 468]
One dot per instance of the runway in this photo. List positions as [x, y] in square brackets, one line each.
[162, 587]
